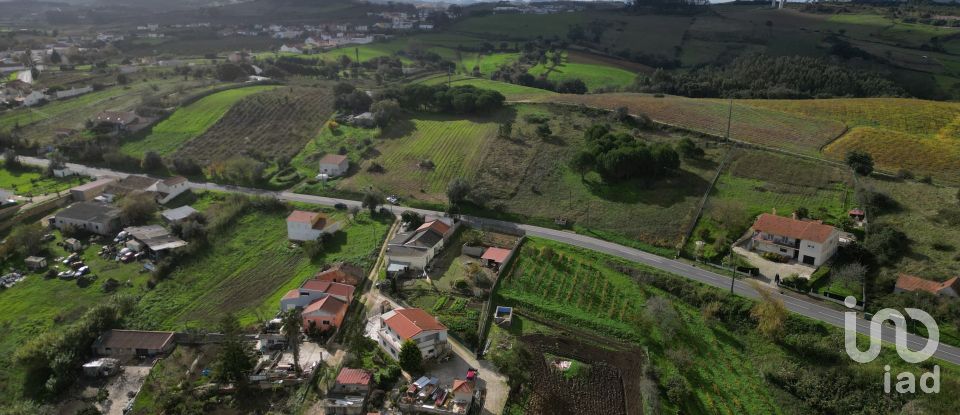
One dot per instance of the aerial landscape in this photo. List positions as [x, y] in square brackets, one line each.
[479, 207]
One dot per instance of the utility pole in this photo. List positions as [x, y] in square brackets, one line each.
[733, 270]
[729, 119]
[449, 76]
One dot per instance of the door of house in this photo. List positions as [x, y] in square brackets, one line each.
[809, 260]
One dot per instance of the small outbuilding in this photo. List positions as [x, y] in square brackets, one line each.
[72, 245]
[334, 165]
[178, 214]
[133, 343]
[495, 257]
[35, 263]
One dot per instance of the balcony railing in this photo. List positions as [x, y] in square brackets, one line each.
[780, 242]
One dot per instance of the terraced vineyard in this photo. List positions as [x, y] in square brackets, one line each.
[587, 290]
[797, 133]
[272, 124]
[189, 122]
[455, 146]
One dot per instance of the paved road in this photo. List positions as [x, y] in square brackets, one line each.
[801, 305]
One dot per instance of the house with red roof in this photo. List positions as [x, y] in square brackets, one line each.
[334, 165]
[910, 283]
[402, 324]
[342, 272]
[305, 226]
[805, 241]
[323, 304]
[352, 382]
[495, 257]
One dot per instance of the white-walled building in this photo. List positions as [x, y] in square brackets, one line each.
[308, 226]
[805, 241]
[398, 326]
[334, 165]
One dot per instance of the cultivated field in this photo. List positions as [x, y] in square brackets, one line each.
[454, 145]
[796, 133]
[248, 269]
[276, 123]
[39, 124]
[917, 135]
[582, 289]
[188, 122]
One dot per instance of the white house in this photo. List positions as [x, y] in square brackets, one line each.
[415, 249]
[308, 226]
[35, 98]
[334, 165]
[168, 189]
[398, 326]
[290, 49]
[805, 241]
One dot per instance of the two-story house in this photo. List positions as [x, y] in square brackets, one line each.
[805, 241]
[323, 304]
[398, 326]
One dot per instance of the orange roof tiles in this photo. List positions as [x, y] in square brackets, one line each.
[349, 376]
[911, 283]
[498, 255]
[409, 322]
[301, 216]
[333, 288]
[328, 305]
[793, 228]
[436, 225]
[333, 159]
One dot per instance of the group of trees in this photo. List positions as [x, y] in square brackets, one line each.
[461, 99]
[761, 76]
[619, 156]
[516, 73]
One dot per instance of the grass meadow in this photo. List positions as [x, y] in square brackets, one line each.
[510, 91]
[595, 76]
[758, 182]
[188, 122]
[25, 181]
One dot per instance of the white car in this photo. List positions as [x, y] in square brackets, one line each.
[84, 270]
[393, 199]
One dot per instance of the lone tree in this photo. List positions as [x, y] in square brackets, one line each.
[292, 322]
[505, 129]
[10, 160]
[371, 200]
[582, 163]
[234, 361]
[457, 191]
[861, 162]
[688, 149]
[411, 360]
[770, 313]
[544, 131]
[151, 161]
[137, 208]
[412, 219]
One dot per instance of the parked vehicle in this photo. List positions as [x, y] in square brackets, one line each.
[84, 270]
[393, 199]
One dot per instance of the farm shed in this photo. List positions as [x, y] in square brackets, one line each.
[99, 218]
[133, 343]
[35, 262]
[495, 257]
[72, 245]
[155, 237]
[178, 214]
[88, 191]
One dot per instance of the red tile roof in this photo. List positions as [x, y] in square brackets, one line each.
[349, 376]
[333, 159]
[301, 216]
[341, 272]
[409, 322]
[436, 225]
[175, 180]
[462, 386]
[328, 305]
[333, 288]
[498, 255]
[911, 283]
[793, 228]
